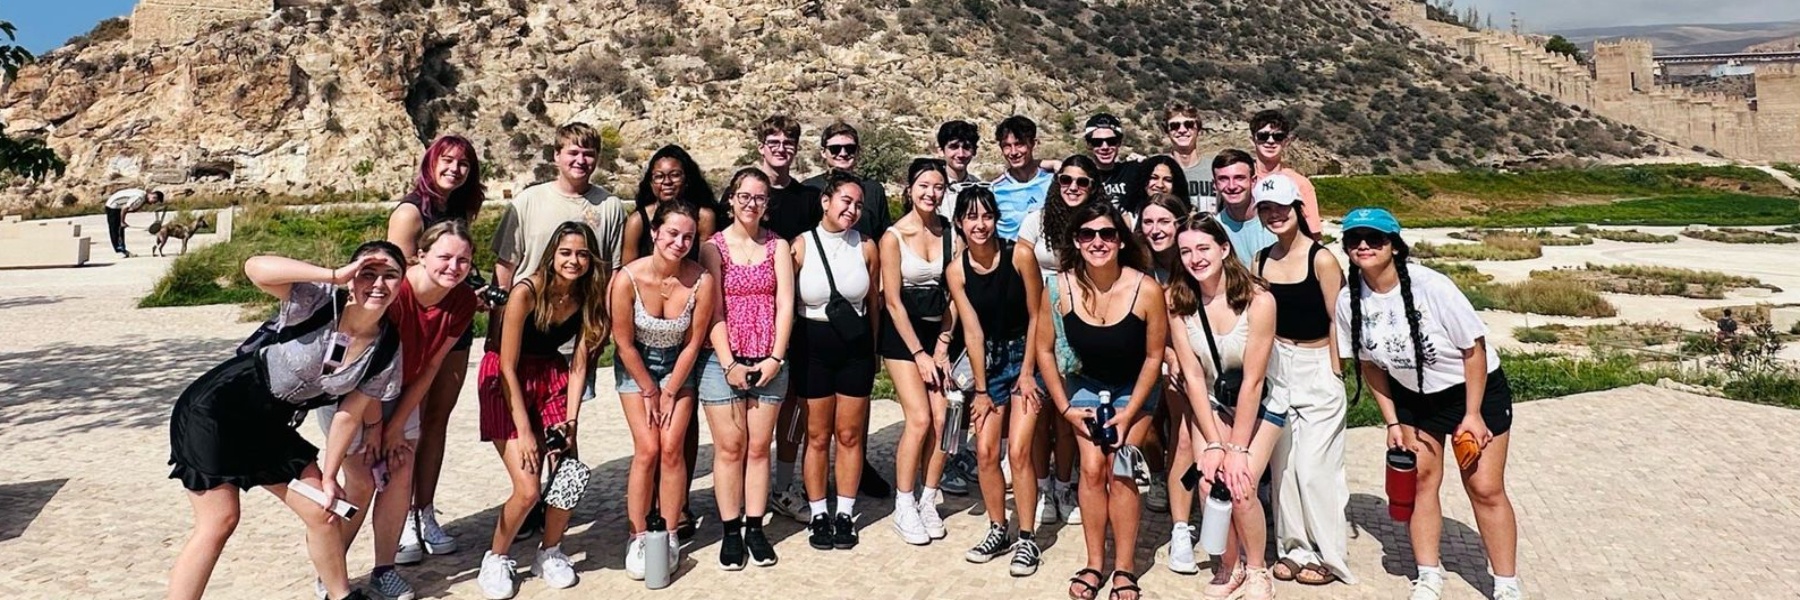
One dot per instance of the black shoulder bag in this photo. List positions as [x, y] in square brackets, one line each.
[928, 301]
[842, 315]
[1228, 383]
[271, 332]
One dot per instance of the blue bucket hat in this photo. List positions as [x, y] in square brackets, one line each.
[1378, 219]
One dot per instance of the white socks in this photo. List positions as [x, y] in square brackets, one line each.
[1506, 583]
[904, 500]
[929, 497]
[1437, 570]
[816, 507]
[846, 505]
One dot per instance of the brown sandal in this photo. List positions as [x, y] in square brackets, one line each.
[1091, 589]
[1285, 569]
[1314, 574]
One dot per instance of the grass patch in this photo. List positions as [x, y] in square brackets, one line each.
[1656, 281]
[1536, 335]
[1788, 229]
[1661, 195]
[1543, 237]
[1625, 235]
[1737, 235]
[1542, 296]
[1491, 247]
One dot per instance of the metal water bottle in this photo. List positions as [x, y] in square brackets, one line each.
[1402, 483]
[958, 386]
[1215, 521]
[1109, 436]
[657, 569]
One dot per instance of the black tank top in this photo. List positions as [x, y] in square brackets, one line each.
[433, 217]
[1113, 354]
[537, 342]
[1300, 313]
[999, 297]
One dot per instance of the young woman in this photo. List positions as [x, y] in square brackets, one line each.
[1424, 353]
[745, 375]
[657, 350]
[1227, 330]
[1040, 232]
[915, 344]
[1161, 214]
[1158, 174]
[1306, 385]
[431, 309]
[671, 175]
[837, 270]
[448, 187]
[993, 283]
[234, 427]
[527, 389]
[1113, 315]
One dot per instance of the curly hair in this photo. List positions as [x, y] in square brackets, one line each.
[1056, 213]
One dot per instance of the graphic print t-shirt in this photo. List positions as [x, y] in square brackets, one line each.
[1200, 185]
[1447, 325]
[1115, 182]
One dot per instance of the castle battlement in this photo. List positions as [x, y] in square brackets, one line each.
[177, 21]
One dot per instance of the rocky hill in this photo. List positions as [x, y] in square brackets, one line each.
[346, 101]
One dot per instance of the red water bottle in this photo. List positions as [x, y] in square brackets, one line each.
[1402, 482]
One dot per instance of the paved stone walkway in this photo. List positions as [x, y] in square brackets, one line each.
[1633, 493]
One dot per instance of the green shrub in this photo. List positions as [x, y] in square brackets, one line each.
[1625, 235]
[1788, 229]
[1492, 247]
[1655, 281]
[1552, 297]
[1535, 335]
[1778, 387]
[1736, 235]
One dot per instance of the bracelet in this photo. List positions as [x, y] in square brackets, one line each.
[1237, 448]
[921, 351]
[778, 360]
[980, 392]
[1393, 424]
[947, 336]
[1214, 446]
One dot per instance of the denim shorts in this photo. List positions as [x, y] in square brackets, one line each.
[1084, 392]
[660, 362]
[1003, 369]
[716, 391]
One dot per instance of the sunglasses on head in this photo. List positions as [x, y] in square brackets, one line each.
[1071, 180]
[1268, 137]
[1358, 237]
[1183, 124]
[1110, 142]
[1087, 234]
[841, 149]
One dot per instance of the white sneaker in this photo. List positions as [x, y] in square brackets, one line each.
[674, 553]
[1181, 550]
[930, 520]
[907, 524]
[553, 567]
[319, 590]
[411, 549]
[634, 558]
[791, 503]
[1069, 504]
[1508, 593]
[1429, 586]
[435, 539]
[496, 578]
[1046, 504]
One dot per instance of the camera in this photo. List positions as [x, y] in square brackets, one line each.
[493, 296]
[554, 440]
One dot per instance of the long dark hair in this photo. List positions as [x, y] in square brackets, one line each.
[1177, 208]
[1401, 253]
[694, 189]
[1136, 197]
[918, 168]
[1131, 252]
[1241, 286]
[588, 291]
[1057, 213]
[464, 202]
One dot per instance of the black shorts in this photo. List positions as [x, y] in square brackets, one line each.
[1441, 412]
[892, 347]
[833, 366]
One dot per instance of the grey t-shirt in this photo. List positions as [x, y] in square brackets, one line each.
[1200, 185]
[297, 367]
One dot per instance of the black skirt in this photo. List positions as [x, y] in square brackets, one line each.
[228, 429]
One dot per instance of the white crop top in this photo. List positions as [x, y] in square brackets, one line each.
[843, 250]
[915, 270]
[1031, 231]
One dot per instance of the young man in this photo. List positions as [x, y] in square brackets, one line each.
[793, 208]
[840, 147]
[1105, 137]
[1181, 123]
[957, 141]
[1272, 131]
[1025, 183]
[122, 203]
[1234, 172]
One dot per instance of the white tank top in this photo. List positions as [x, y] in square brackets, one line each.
[915, 270]
[1031, 231]
[1231, 345]
[843, 250]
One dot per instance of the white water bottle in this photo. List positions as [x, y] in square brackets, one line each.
[1215, 521]
[960, 381]
[656, 553]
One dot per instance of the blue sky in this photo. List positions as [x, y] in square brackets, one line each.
[45, 24]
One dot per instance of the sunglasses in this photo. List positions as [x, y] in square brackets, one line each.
[1071, 180]
[841, 149]
[1357, 237]
[1087, 234]
[1110, 142]
[1183, 124]
[1270, 137]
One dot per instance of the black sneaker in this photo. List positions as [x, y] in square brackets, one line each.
[819, 535]
[762, 553]
[872, 485]
[1026, 557]
[533, 525]
[685, 530]
[843, 532]
[995, 544]
[731, 552]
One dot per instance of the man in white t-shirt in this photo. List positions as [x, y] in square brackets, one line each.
[121, 203]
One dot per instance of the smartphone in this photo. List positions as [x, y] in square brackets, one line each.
[1191, 479]
[340, 344]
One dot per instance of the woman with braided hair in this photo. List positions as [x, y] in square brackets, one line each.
[1423, 352]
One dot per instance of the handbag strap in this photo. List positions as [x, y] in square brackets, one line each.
[826, 263]
[1212, 345]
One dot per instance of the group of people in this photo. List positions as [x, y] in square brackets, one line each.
[1135, 331]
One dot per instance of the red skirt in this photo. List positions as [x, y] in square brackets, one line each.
[545, 380]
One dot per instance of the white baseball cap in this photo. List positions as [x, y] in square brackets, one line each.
[1276, 189]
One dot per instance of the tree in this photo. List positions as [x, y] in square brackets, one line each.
[27, 157]
[1561, 45]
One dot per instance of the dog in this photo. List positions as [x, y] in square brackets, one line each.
[177, 231]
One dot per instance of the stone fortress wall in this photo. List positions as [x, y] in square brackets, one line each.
[1622, 86]
[177, 21]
